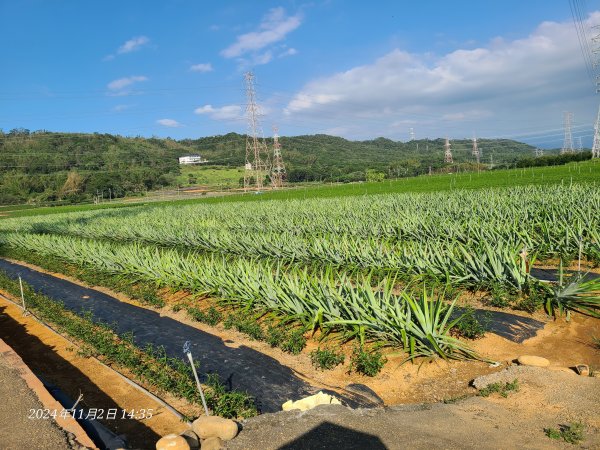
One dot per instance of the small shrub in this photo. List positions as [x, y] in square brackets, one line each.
[326, 359]
[571, 433]
[275, 335]
[294, 342]
[366, 363]
[596, 342]
[470, 327]
[210, 317]
[500, 388]
[500, 297]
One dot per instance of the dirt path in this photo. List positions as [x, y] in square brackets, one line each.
[545, 399]
[17, 431]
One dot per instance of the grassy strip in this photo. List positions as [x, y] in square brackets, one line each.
[150, 364]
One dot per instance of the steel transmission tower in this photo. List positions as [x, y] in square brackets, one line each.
[596, 145]
[475, 150]
[257, 154]
[412, 134]
[278, 173]
[539, 152]
[568, 142]
[447, 152]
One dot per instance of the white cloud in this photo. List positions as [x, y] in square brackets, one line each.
[494, 86]
[169, 123]
[129, 46]
[121, 83]
[288, 52]
[133, 44]
[119, 108]
[205, 67]
[228, 112]
[275, 26]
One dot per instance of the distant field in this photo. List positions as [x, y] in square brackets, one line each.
[215, 177]
[583, 172]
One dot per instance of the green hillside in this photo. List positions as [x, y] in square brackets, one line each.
[47, 168]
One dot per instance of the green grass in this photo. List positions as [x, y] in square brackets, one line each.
[583, 172]
[503, 389]
[212, 176]
[571, 433]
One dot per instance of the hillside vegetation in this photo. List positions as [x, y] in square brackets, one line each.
[47, 168]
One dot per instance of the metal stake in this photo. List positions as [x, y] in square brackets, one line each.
[186, 350]
[22, 295]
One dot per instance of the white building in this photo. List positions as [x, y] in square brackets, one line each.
[191, 159]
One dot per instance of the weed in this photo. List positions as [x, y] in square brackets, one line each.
[596, 342]
[469, 326]
[571, 433]
[500, 388]
[275, 335]
[500, 297]
[366, 363]
[210, 317]
[294, 342]
[326, 359]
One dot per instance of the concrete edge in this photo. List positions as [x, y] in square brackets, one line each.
[68, 424]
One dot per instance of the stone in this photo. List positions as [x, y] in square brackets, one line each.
[213, 426]
[191, 439]
[172, 442]
[535, 361]
[213, 443]
[306, 403]
[583, 370]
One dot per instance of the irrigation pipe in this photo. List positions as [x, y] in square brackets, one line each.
[127, 380]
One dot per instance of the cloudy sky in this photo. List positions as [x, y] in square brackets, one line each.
[497, 68]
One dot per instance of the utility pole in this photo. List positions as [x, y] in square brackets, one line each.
[257, 163]
[475, 151]
[447, 152]
[596, 145]
[568, 141]
[278, 173]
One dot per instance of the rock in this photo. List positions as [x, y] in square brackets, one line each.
[191, 439]
[172, 442]
[535, 361]
[583, 370]
[213, 443]
[213, 426]
[310, 402]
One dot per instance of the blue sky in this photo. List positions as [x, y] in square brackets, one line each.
[351, 68]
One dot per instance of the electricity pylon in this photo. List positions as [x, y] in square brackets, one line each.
[539, 152]
[475, 151]
[596, 145]
[278, 173]
[447, 152]
[568, 141]
[412, 134]
[257, 154]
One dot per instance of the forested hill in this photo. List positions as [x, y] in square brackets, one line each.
[322, 156]
[45, 166]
